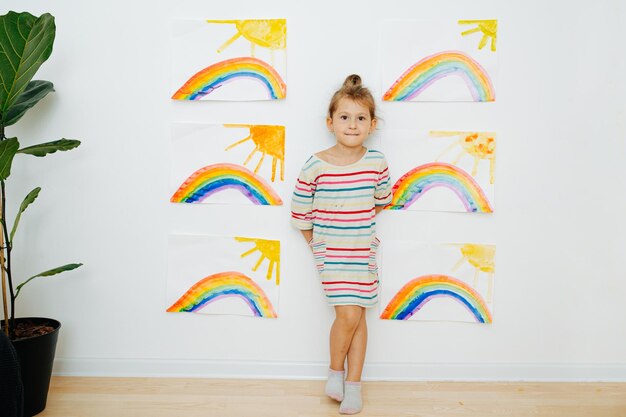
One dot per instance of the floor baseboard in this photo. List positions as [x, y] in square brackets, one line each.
[312, 371]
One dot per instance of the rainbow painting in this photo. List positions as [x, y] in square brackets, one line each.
[415, 183]
[222, 285]
[219, 177]
[440, 65]
[419, 291]
[217, 75]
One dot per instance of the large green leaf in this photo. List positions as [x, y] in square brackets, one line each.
[8, 149]
[47, 273]
[25, 43]
[35, 91]
[27, 202]
[44, 149]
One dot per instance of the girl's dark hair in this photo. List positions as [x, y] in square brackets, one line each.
[353, 89]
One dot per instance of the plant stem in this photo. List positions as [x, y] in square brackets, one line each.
[8, 245]
[7, 328]
[4, 286]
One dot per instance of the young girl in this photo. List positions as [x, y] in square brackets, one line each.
[338, 194]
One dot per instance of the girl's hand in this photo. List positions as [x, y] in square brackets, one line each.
[308, 235]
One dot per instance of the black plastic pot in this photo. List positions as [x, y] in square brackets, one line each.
[36, 356]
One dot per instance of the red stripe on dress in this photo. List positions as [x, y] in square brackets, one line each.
[348, 249]
[345, 220]
[347, 174]
[349, 282]
[350, 289]
[343, 212]
[304, 219]
[348, 182]
[301, 216]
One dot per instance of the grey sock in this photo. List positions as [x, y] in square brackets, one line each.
[352, 402]
[334, 385]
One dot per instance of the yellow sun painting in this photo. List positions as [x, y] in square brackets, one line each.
[478, 145]
[270, 250]
[266, 33]
[489, 29]
[482, 258]
[268, 140]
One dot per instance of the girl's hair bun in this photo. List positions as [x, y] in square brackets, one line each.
[352, 81]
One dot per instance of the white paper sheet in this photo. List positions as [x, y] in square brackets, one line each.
[231, 275]
[442, 282]
[452, 67]
[196, 146]
[219, 69]
[441, 170]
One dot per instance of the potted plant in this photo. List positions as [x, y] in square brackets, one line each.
[25, 43]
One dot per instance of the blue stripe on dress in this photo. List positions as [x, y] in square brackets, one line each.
[345, 189]
[345, 227]
[351, 197]
[346, 234]
[352, 296]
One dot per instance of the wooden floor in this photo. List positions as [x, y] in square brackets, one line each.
[146, 397]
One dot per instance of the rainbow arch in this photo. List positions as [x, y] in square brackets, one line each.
[218, 177]
[429, 70]
[222, 285]
[415, 183]
[214, 76]
[419, 291]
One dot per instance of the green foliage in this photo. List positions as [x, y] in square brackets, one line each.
[28, 200]
[35, 91]
[44, 149]
[47, 273]
[25, 43]
[8, 149]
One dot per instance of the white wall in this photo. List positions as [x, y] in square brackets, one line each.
[560, 310]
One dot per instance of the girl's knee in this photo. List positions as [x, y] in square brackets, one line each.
[349, 316]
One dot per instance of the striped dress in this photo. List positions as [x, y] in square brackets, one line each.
[338, 203]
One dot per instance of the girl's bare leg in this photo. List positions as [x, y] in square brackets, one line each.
[352, 400]
[356, 353]
[347, 320]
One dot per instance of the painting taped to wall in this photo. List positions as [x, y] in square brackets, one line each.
[227, 164]
[232, 60]
[438, 282]
[439, 60]
[442, 170]
[221, 275]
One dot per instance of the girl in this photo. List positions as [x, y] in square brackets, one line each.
[338, 194]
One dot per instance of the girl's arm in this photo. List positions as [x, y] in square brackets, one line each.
[302, 204]
[383, 190]
[308, 235]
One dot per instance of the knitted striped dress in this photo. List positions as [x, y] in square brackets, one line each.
[338, 203]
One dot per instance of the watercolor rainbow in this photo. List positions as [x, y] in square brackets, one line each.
[218, 177]
[415, 183]
[222, 285]
[440, 65]
[417, 292]
[215, 76]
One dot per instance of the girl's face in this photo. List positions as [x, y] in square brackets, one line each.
[351, 123]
